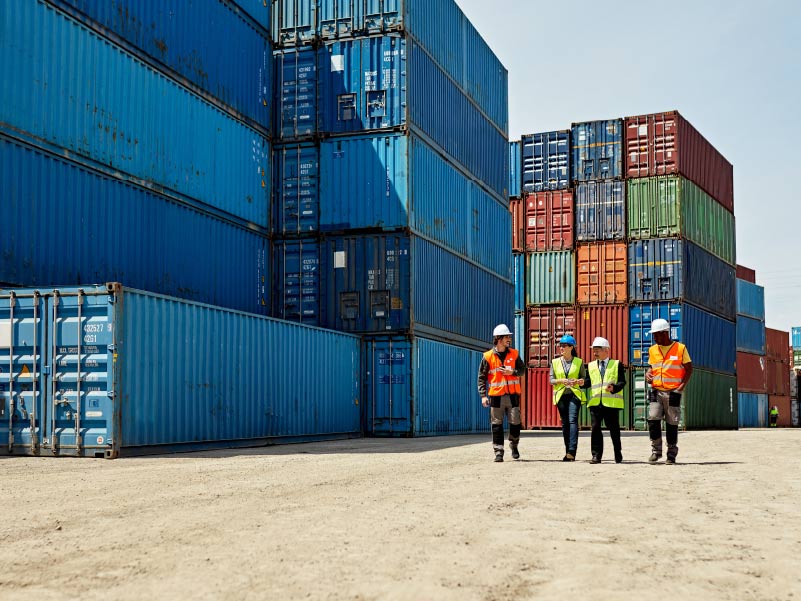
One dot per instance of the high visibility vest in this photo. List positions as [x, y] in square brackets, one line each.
[499, 383]
[559, 372]
[598, 393]
[773, 412]
[668, 370]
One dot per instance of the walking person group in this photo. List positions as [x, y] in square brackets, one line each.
[599, 385]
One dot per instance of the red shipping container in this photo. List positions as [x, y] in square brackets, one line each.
[666, 144]
[518, 225]
[549, 220]
[778, 377]
[544, 327]
[746, 273]
[608, 321]
[751, 373]
[783, 403]
[602, 273]
[539, 411]
[775, 343]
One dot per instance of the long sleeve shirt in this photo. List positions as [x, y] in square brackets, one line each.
[582, 375]
[483, 370]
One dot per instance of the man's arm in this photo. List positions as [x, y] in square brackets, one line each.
[483, 373]
[520, 367]
[688, 371]
[621, 378]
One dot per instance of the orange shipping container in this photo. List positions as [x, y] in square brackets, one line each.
[539, 411]
[518, 224]
[544, 327]
[602, 273]
[783, 403]
[549, 220]
[608, 321]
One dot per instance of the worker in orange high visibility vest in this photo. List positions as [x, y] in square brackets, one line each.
[670, 370]
[499, 387]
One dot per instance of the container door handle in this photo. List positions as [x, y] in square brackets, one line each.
[645, 287]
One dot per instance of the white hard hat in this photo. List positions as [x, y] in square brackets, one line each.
[602, 342]
[660, 325]
[501, 330]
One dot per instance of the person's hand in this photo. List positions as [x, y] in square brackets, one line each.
[485, 401]
[649, 376]
[508, 370]
[609, 388]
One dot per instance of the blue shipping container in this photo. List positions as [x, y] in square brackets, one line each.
[667, 269]
[597, 150]
[752, 410]
[64, 223]
[710, 339]
[140, 372]
[258, 10]
[750, 300]
[297, 286]
[601, 210]
[387, 283]
[421, 387]
[519, 279]
[795, 334]
[750, 335]
[515, 164]
[192, 37]
[439, 26]
[296, 86]
[296, 189]
[119, 112]
[546, 161]
[520, 342]
[397, 181]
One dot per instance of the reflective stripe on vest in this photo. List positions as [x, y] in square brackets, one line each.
[559, 372]
[499, 383]
[600, 396]
[668, 371]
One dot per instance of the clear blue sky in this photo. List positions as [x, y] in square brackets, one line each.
[732, 68]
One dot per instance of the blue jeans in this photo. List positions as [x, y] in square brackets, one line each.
[569, 407]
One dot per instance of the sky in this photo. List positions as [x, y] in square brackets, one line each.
[732, 68]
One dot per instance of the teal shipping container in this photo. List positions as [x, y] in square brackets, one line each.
[551, 278]
[752, 410]
[421, 387]
[750, 300]
[104, 371]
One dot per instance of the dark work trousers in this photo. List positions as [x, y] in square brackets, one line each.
[611, 417]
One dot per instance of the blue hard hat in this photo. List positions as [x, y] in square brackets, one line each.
[567, 339]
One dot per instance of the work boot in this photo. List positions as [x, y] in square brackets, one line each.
[595, 459]
[515, 453]
[654, 458]
[498, 456]
[618, 457]
[671, 460]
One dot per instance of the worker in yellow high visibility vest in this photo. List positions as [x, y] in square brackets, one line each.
[774, 416]
[569, 378]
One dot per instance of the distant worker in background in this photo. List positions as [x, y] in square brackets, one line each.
[670, 370]
[499, 387]
[774, 416]
[607, 381]
[568, 378]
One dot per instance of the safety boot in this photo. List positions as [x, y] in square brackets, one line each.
[515, 453]
[654, 458]
[498, 456]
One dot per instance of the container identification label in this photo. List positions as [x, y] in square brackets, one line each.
[337, 63]
[393, 358]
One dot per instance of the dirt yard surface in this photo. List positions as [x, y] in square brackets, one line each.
[423, 519]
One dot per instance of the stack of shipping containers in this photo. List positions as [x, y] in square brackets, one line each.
[778, 371]
[794, 360]
[752, 368]
[402, 116]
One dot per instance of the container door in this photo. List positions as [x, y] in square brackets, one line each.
[389, 387]
[81, 351]
[23, 372]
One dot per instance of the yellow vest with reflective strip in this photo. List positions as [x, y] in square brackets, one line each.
[598, 393]
[559, 372]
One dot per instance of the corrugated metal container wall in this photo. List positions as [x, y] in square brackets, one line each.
[539, 410]
[751, 373]
[601, 211]
[180, 250]
[549, 220]
[673, 206]
[602, 273]
[294, 22]
[546, 325]
[234, 389]
[666, 143]
[690, 325]
[385, 283]
[551, 278]
[515, 164]
[394, 181]
[750, 300]
[546, 161]
[520, 334]
[752, 410]
[796, 358]
[518, 224]
[785, 410]
[795, 334]
[795, 412]
[777, 378]
[297, 281]
[258, 10]
[125, 115]
[665, 269]
[519, 272]
[608, 321]
[750, 335]
[793, 383]
[638, 399]
[177, 34]
[776, 343]
[419, 387]
[746, 273]
[296, 189]
[597, 149]
[296, 87]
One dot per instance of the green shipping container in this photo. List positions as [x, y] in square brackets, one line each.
[710, 401]
[585, 420]
[673, 206]
[551, 278]
[796, 358]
